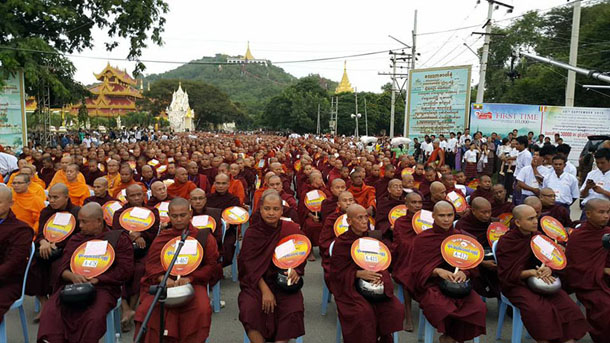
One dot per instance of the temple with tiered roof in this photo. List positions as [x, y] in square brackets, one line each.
[115, 94]
[344, 86]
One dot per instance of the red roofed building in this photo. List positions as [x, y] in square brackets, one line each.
[114, 95]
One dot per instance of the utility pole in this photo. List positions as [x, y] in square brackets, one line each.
[485, 55]
[356, 99]
[570, 86]
[397, 57]
[414, 35]
[318, 123]
[393, 96]
[366, 119]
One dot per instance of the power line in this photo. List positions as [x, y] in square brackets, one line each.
[193, 62]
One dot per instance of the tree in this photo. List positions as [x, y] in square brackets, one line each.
[212, 106]
[35, 35]
[549, 35]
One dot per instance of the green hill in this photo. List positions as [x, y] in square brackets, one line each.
[249, 86]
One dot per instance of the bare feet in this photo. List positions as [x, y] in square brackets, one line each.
[408, 325]
[127, 320]
[446, 339]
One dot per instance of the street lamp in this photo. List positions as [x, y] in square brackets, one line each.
[356, 116]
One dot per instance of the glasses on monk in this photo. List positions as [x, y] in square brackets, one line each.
[198, 198]
[19, 183]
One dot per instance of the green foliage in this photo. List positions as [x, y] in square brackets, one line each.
[35, 34]
[296, 110]
[249, 86]
[212, 106]
[137, 119]
[549, 36]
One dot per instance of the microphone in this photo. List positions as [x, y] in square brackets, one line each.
[185, 233]
[606, 241]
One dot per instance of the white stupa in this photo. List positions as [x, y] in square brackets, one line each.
[179, 112]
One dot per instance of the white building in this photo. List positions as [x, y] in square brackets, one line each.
[179, 112]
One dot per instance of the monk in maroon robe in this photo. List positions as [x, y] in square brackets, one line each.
[266, 311]
[588, 270]
[15, 245]
[278, 170]
[222, 199]
[457, 319]
[373, 177]
[200, 180]
[141, 240]
[553, 209]
[385, 203]
[401, 250]
[206, 168]
[552, 318]
[311, 223]
[288, 213]
[100, 192]
[327, 235]
[159, 194]
[288, 202]
[484, 189]
[381, 186]
[476, 223]
[61, 323]
[436, 193]
[499, 205]
[200, 206]
[329, 205]
[45, 272]
[361, 321]
[190, 322]
[430, 176]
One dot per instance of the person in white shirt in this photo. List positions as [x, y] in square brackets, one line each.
[8, 163]
[540, 141]
[87, 141]
[524, 158]
[564, 184]
[529, 178]
[464, 137]
[564, 150]
[450, 150]
[470, 160]
[597, 182]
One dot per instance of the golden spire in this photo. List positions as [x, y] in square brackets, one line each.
[344, 86]
[248, 56]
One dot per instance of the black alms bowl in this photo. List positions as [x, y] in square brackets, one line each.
[455, 289]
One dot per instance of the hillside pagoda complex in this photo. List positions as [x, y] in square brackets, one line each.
[115, 94]
[247, 58]
[344, 86]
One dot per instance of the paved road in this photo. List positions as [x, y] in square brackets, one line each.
[226, 327]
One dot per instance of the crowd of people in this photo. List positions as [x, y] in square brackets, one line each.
[186, 175]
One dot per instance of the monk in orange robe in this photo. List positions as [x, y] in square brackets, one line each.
[35, 180]
[78, 191]
[33, 188]
[259, 192]
[363, 194]
[126, 180]
[26, 205]
[113, 177]
[182, 187]
[60, 175]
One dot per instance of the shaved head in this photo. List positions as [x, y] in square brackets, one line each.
[197, 192]
[480, 202]
[526, 218]
[59, 188]
[5, 193]
[178, 202]
[481, 209]
[443, 215]
[92, 210]
[534, 202]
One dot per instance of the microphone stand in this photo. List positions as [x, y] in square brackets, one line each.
[160, 292]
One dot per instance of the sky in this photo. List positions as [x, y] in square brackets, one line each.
[282, 31]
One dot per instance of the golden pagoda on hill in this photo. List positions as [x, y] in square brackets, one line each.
[344, 86]
[114, 95]
[246, 58]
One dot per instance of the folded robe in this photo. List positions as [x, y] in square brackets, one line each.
[461, 319]
[255, 262]
[361, 320]
[585, 276]
[190, 322]
[554, 318]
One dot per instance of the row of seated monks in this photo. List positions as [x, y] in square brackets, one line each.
[267, 312]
